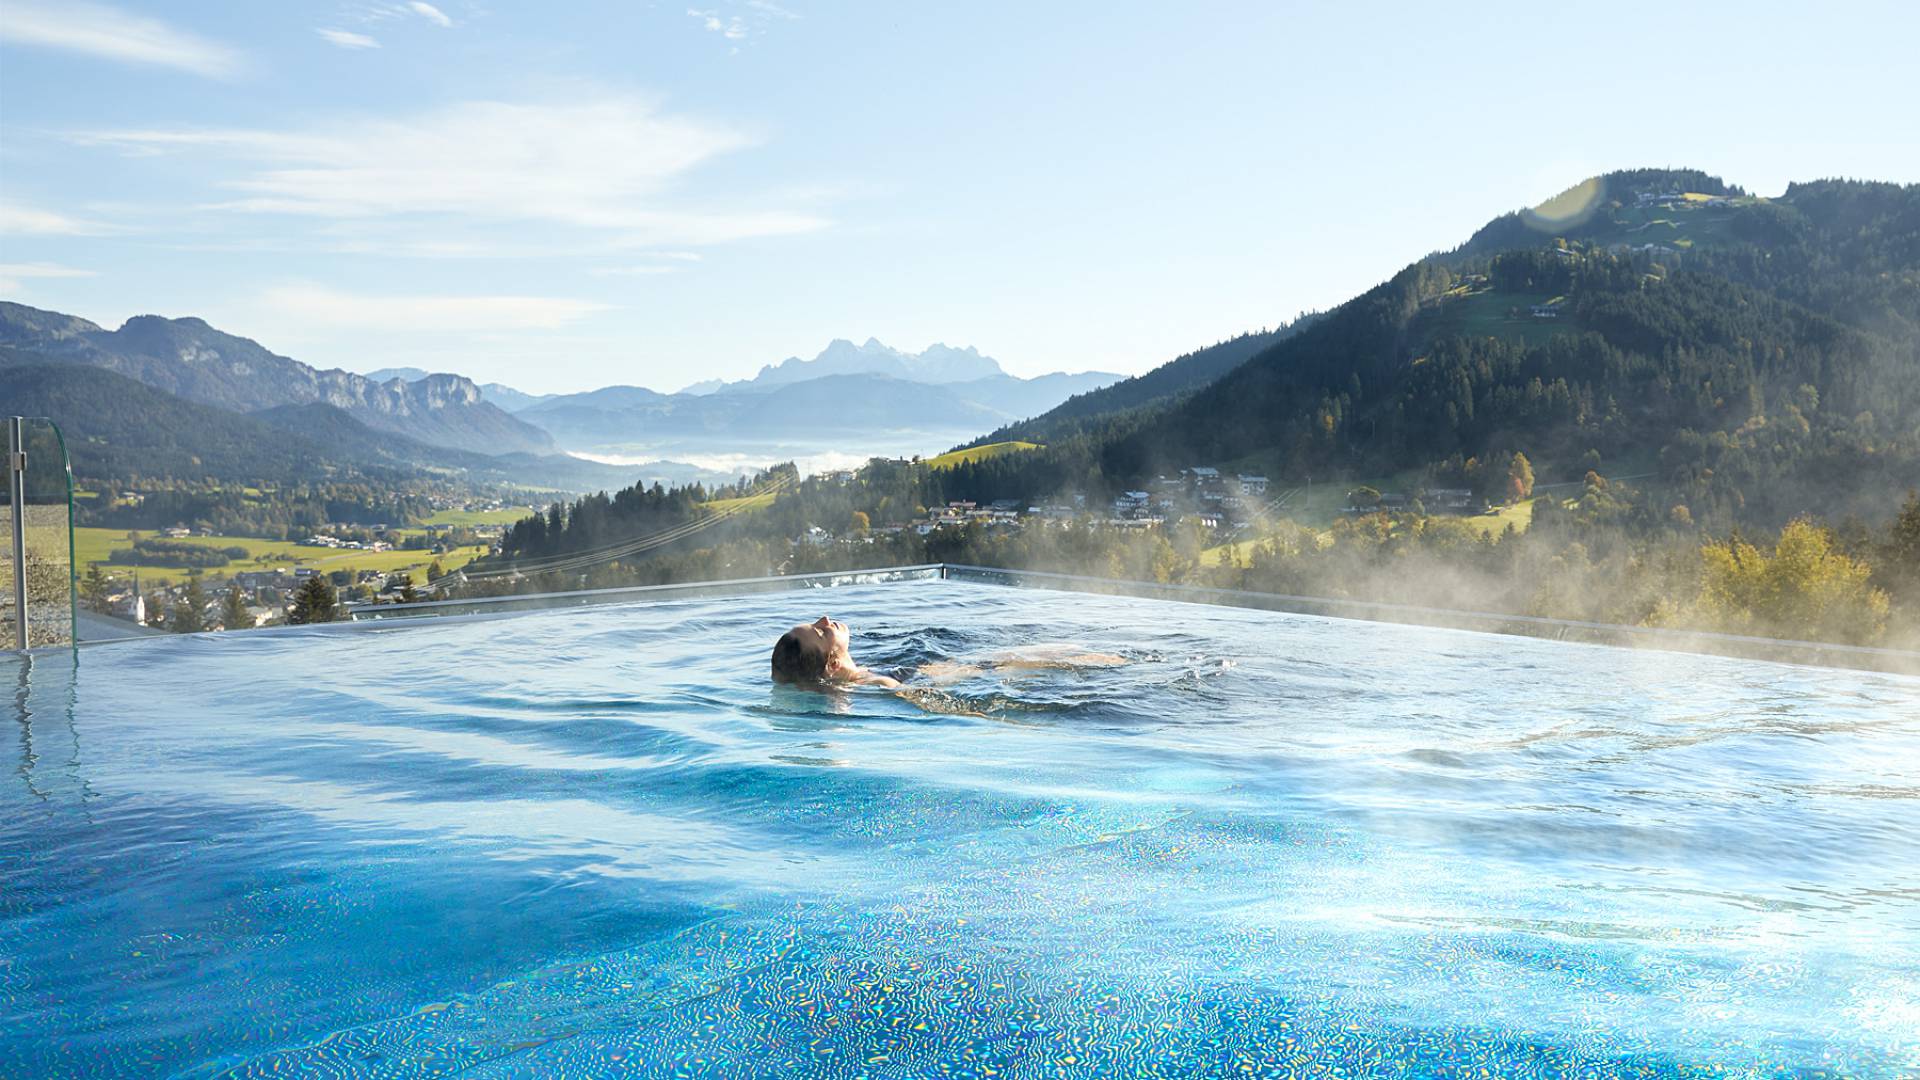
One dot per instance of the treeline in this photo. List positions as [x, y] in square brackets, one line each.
[161, 551]
[600, 520]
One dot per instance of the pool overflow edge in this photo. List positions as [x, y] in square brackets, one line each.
[1822, 654]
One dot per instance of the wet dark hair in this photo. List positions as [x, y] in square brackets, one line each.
[794, 662]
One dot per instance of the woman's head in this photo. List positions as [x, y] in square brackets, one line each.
[813, 652]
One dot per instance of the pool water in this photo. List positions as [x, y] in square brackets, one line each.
[597, 842]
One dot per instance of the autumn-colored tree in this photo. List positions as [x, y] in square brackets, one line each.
[1805, 589]
[860, 524]
[1519, 478]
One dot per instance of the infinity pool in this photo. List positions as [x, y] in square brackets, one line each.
[596, 842]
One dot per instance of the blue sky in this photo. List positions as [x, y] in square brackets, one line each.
[561, 196]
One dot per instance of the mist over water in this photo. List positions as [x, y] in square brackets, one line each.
[600, 842]
[745, 456]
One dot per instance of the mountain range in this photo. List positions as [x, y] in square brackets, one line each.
[938, 363]
[191, 360]
[939, 394]
[175, 399]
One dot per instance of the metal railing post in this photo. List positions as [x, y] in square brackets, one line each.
[17, 493]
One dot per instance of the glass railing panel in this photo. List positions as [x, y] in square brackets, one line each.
[38, 537]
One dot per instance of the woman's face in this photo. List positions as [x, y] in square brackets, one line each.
[834, 635]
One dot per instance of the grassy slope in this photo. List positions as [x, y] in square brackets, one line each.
[745, 502]
[1519, 515]
[1486, 314]
[979, 453]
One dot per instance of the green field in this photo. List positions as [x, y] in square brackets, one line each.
[471, 518]
[978, 453]
[1487, 314]
[91, 545]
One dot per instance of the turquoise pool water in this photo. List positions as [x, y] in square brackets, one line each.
[587, 843]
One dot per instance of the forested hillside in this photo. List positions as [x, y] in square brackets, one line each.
[1763, 363]
[1181, 375]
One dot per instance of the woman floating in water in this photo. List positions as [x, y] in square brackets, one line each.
[816, 653]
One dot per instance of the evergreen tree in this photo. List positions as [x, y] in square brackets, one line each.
[94, 589]
[189, 615]
[233, 611]
[314, 602]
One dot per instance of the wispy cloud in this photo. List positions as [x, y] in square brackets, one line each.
[43, 270]
[669, 262]
[610, 164]
[11, 273]
[320, 306]
[113, 34]
[430, 13]
[347, 39]
[18, 220]
[387, 12]
[643, 270]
